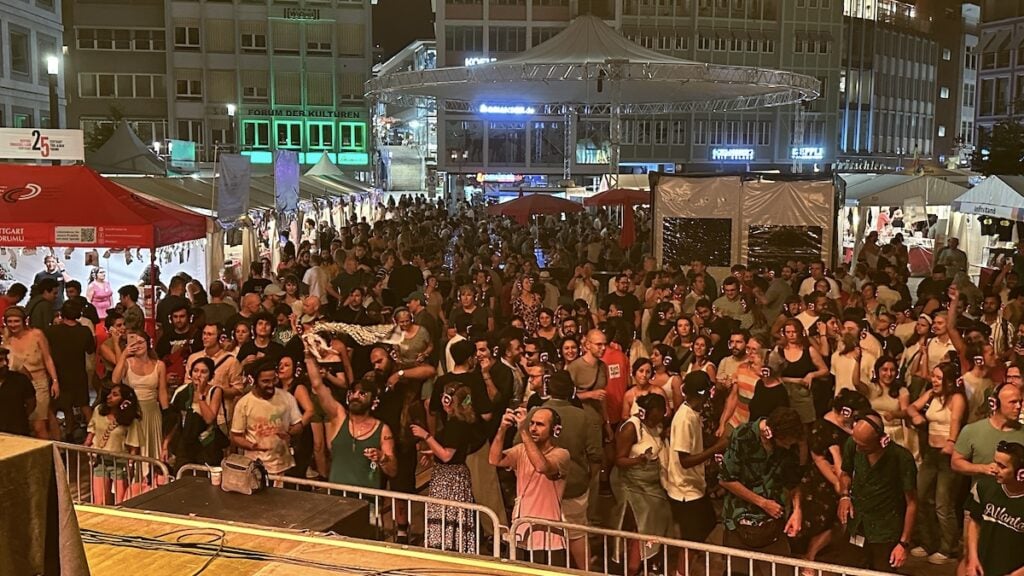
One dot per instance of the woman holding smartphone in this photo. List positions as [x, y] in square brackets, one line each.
[138, 367]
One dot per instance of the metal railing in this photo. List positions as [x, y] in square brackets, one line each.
[620, 552]
[103, 477]
[448, 526]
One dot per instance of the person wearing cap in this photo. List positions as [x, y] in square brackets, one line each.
[684, 475]
[417, 305]
[17, 399]
[272, 295]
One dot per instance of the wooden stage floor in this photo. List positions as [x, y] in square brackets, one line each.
[113, 546]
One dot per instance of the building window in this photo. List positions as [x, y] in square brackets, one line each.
[703, 42]
[661, 132]
[121, 39]
[21, 52]
[353, 136]
[768, 46]
[971, 91]
[946, 54]
[507, 39]
[189, 89]
[543, 34]
[970, 59]
[721, 44]
[764, 133]
[22, 120]
[121, 85]
[548, 143]
[256, 133]
[190, 130]
[464, 39]
[715, 133]
[700, 135]
[678, 132]
[643, 132]
[186, 37]
[942, 131]
[148, 41]
[289, 134]
[321, 135]
[506, 142]
[944, 93]
[254, 42]
[626, 132]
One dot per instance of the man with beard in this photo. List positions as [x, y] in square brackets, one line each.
[737, 355]
[265, 420]
[399, 407]
[17, 399]
[227, 372]
[878, 494]
[362, 447]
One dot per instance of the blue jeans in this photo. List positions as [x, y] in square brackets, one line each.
[937, 489]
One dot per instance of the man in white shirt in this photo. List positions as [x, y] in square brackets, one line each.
[265, 420]
[317, 279]
[684, 480]
[583, 286]
[812, 305]
[818, 273]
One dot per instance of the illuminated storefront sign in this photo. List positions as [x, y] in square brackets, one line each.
[301, 13]
[477, 60]
[499, 178]
[732, 154]
[339, 158]
[341, 113]
[507, 110]
[811, 153]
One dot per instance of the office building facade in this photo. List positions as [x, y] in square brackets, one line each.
[31, 31]
[249, 75]
[1000, 59]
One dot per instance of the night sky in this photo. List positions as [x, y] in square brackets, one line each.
[396, 23]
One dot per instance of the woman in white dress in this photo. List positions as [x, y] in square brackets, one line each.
[890, 397]
[138, 367]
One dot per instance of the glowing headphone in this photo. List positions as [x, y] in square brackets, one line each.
[1005, 447]
[994, 403]
[556, 423]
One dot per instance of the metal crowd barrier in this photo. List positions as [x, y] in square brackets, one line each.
[103, 477]
[457, 524]
[615, 550]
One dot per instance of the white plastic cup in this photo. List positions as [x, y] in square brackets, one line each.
[215, 472]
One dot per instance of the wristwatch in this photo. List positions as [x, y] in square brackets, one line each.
[401, 373]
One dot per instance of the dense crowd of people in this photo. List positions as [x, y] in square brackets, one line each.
[819, 406]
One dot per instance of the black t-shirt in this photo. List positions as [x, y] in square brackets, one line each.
[58, 277]
[629, 304]
[254, 285]
[168, 303]
[477, 389]
[466, 438]
[722, 327]
[405, 279]
[68, 347]
[190, 341]
[349, 316]
[399, 407]
[272, 350]
[15, 391]
[235, 319]
[478, 318]
[766, 399]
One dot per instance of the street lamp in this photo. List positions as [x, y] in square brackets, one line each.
[231, 122]
[52, 70]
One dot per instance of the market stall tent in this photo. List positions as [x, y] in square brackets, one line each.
[125, 153]
[76, 207]
[998, 196]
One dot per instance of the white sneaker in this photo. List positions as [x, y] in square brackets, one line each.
[939, 558]
[919, 552]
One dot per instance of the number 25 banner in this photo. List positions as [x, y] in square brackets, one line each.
[41, 144]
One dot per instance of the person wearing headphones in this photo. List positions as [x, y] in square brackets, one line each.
[877, 493]
[995, 525]
[760, 466]
[541, 468]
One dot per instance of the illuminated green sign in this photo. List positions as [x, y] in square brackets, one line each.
[344, 158]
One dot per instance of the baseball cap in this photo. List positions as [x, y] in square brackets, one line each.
[273, 290]
[417, 295]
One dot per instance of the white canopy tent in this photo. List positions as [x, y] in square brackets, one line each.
[590, 69]
[868, 194]
[1001, 197]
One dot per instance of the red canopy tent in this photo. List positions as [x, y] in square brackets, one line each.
[627, 198]
[73, 206]
[523, 207]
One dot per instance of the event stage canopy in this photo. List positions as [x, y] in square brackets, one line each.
[591, 64]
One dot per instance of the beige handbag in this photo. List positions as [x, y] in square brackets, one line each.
[243, 475]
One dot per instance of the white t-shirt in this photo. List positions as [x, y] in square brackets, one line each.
[807, 286]
[317, 280]
[937, 351]
[684, 484]
[261, 421]
[843, 368]
[807, 320]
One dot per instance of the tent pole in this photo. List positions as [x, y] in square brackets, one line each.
[152, 286]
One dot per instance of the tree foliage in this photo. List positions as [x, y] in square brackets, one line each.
[98, 136]
[1001, 150]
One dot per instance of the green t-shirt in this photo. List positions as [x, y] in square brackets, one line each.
[1001, 520]
[765, 474]
[879, 491]
[977, 441]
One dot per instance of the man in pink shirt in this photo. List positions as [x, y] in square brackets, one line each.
[540, 468]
